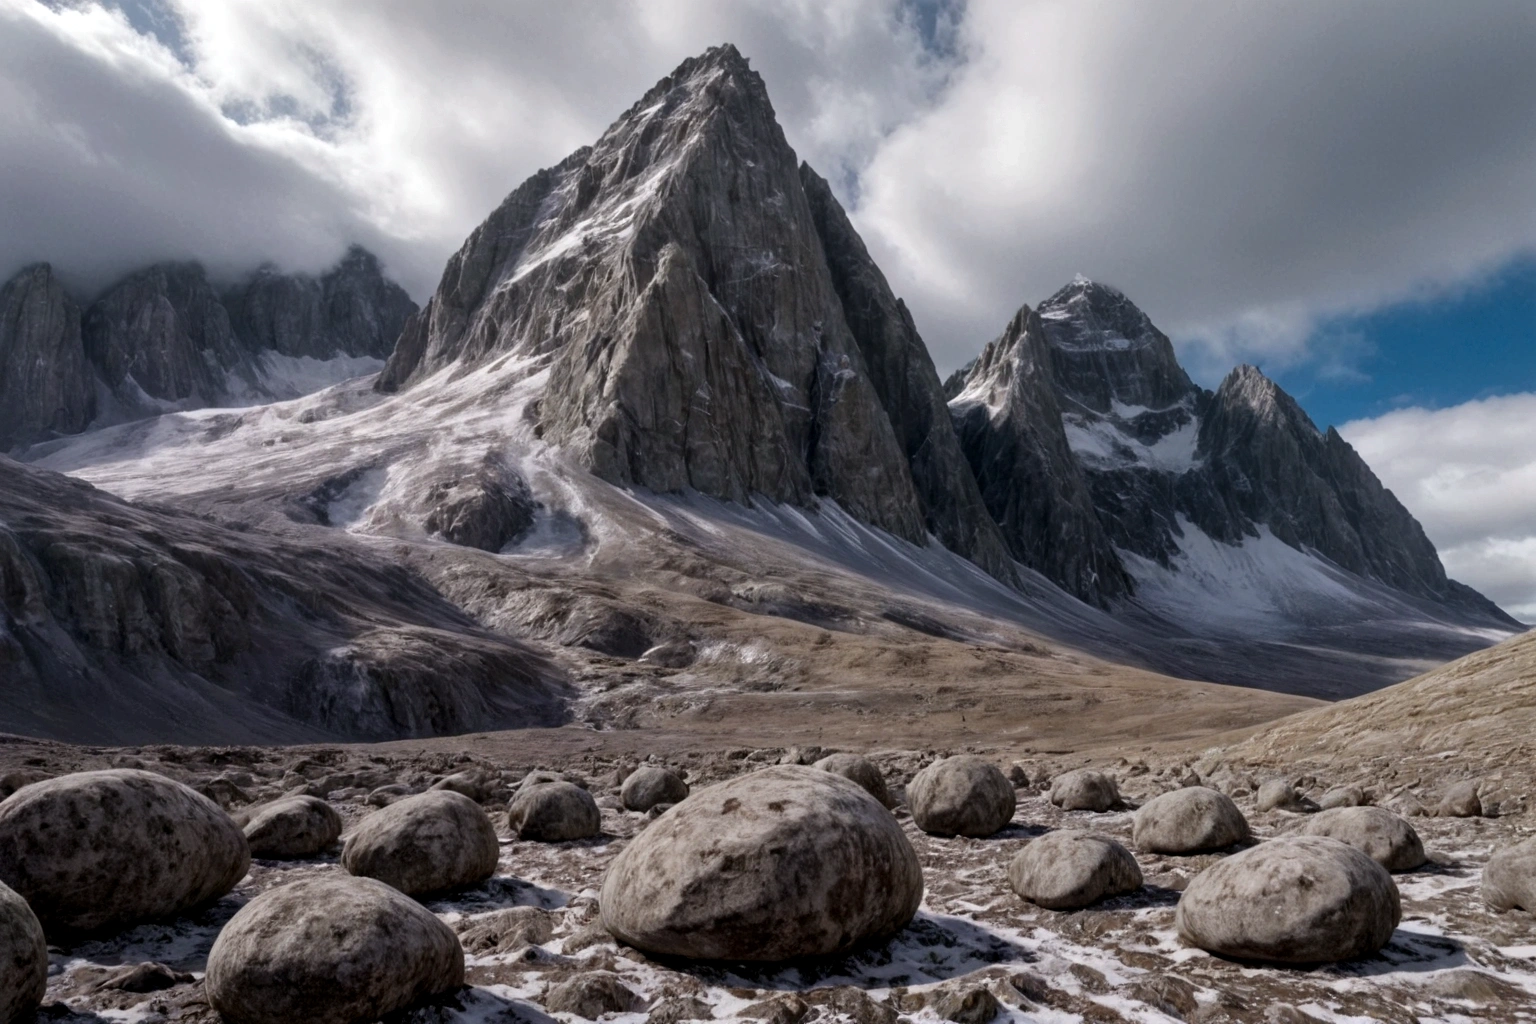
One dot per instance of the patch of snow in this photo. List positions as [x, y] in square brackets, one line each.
[286, 377]
[1101, 444]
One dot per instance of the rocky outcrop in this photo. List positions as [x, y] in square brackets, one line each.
[352, 309]
[46, 383]
[1011, 429]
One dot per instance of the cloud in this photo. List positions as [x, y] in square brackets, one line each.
[1468, 473]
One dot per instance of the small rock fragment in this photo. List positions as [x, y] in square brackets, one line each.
[592, 995]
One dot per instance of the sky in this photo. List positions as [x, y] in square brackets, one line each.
[1342, 193]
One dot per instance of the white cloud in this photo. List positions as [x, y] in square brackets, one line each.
[1468, 473]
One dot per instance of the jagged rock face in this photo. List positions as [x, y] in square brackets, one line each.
[351, 310]
[166, 329]
[46, 385]
[1010, 427]
[673, 280]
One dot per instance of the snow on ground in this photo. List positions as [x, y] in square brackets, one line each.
[1102, 444]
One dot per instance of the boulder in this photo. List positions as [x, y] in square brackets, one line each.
[506, 930]
[330, 949]
[861, 770]
[1375, 831]
[1509, 878]
[1066, 870]
[1343, 796]
[479, 784]
[106, 849]
[1279, 795]
[782, 863]
[650, 785]
[1084, 790]
[553, 812]
[1299, 899]
[295, 826]
[968, 1004]
[591, 995]
[1189, 820]
[428, 843]
[961, 795]
[23, 959]
[1461, 801]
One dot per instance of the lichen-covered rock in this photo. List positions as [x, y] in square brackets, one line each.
[781, 863]
[105, 849]
[432, 842]
[1067, 869]
[1375, 831]
[1299, 899]
[1084, 790]
[1509, 877]
[650, 785]
[23, 959]
[1189, 820]
[330, 949]
[554, 812]
[961, 795]
[296, 826]
[861, 770]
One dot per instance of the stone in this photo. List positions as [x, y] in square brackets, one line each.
[1068, 870]
[861, 770]
[23, 959]
[961, 795]
[554, 812]
[1018, 776]
[1343, 796]
[293, 827]
[1375, 831]
[1509, 877]
[1461, 801]
[506, 930]
[1298, 899]
[853, 1003]
[101, 850]
[785, 862]
[1084, 790]
[591, 995]
[429, 843]
[1189, 820]
[485, 509]
[146, 977]
[479, 784]
[1278, 795]
[674, 1009]
[48, 387]
[965, 1005]
[650, 785]
[787, 1008]
[330, 949]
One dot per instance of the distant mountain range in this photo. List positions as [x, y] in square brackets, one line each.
[667, 371]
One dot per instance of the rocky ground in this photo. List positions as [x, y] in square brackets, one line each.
[534, 925]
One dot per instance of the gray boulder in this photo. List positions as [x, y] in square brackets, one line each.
[1189, 820]
[1343, 796]
[961, 795]
[330, 949]
[1066, 870]
[554, 812]
[1279, 795]
[782, 863]
[1375, 831]
[506, 930]
[649, 785]
[591, 995]
[479, 784]
[1509, 878]
[295, 826]
[105, 849]
[433, 842]
[23, 959]
[1300, 899]
[1084, 790]
[1461, 801]
[861, 770]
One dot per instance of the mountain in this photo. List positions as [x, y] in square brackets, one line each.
[164, 338]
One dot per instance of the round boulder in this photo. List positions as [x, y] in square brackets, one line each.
[1189, 820]
[553, 812]
[330, 949]
[432, 842]
[1300, 899]
[295, 826]
[963, 796]
[1066, 870]
[1509, 878]
[649, 785]
[861, 770]
[1343, 796]
[101, 850]
[785, 862]
[23, 959]
[1461, 801]
[1084, 790]
[1375, 831]
[1279, 795]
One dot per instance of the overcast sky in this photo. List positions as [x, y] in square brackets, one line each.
[1259, 177]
